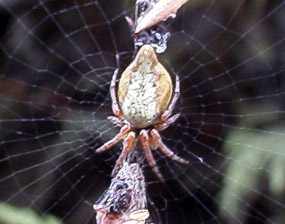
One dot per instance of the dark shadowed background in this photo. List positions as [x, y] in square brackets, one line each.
[56, 62]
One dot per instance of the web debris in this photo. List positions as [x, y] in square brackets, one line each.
[152, 12]
[125, 200]
[147, 27]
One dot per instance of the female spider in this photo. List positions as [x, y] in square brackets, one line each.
[144, 107]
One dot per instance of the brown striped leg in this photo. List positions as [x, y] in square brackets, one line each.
[127, 147]
[144, 140]
[115, 105]
[175, 96]
[117, 121]
[166, 123]
[124, 130]
[163, 148]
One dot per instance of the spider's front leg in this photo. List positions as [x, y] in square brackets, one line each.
[115, 105]
[175, 96]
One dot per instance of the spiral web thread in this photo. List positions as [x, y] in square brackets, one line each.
[57, 60]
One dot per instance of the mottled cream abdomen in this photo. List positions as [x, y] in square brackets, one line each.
[145, 89]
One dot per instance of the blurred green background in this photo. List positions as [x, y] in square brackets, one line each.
[56, 63]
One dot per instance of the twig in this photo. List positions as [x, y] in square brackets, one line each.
[158, 12]
[125, 200]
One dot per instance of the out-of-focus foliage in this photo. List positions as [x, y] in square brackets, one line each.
[12, 215]
[224, 54]
[256, 169]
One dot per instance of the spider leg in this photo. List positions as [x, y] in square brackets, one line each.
[124, 130]
[166, 123]
[115, 105]
[144, 140]
[164, 149]
[116, 121]
[172, 103]
[127, 147]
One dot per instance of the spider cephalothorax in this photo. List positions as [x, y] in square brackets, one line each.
[144, 106]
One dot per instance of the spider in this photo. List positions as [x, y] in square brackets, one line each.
[143, 108]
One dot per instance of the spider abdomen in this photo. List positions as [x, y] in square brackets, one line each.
[145, 89]
[139, 105]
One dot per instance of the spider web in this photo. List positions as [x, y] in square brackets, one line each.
[57, 59]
